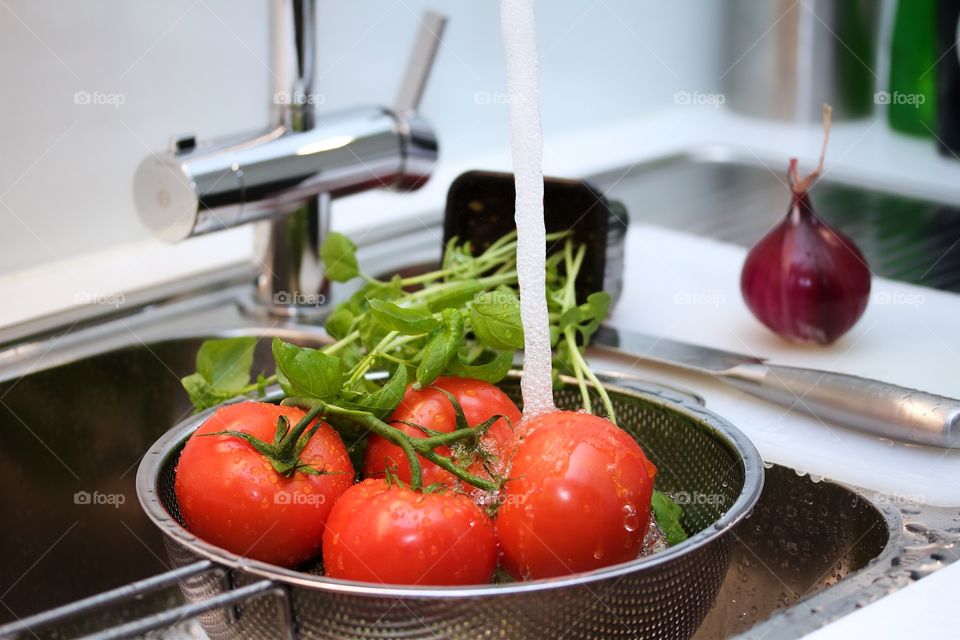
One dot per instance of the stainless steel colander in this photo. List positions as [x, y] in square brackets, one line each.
[706, 463]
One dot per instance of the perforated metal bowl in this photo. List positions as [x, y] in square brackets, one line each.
[702, 459]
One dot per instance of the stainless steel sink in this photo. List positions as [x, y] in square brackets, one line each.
[72, 439]
[83, 396]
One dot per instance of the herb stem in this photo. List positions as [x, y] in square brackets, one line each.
[341, 343]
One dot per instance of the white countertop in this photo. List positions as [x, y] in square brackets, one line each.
[926, 609]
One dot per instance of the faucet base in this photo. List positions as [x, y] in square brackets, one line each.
[291, 283]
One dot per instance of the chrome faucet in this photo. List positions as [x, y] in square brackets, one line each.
[284, 178]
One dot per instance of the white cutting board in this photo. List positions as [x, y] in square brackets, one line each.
[687, 288]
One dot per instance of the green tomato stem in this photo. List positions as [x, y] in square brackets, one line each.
[409, 446]
[445, 463]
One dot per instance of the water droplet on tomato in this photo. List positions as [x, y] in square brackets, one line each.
[630, 520]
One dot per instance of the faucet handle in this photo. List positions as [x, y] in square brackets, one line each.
[421, 61]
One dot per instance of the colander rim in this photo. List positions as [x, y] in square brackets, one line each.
[170, 442]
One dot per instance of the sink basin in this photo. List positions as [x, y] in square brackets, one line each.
[73, 436]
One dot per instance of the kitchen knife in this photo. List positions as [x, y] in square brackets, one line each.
[871, 406]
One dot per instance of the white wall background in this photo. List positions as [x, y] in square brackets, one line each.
[201, 66]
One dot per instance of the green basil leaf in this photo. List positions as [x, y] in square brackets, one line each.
[410, 321]
[383, 290]
[668, 515]
[306, 372]
[339, 256]
[495, 318]
[384, 400]
[434, 360]
[453, 295]
[570, 318]
[441, 348]
[202, 394]
[371, 331]
[493, 371]
[225, 364]
[599, 303]
[339, 322]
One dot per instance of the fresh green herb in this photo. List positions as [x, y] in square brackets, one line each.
[462, 319]
[441, 348]
[496, 319]
[668, 515]
[339, 256]
[306, 372]
[223, 371]
[572, 325]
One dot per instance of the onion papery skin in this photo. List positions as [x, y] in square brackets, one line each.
[804, 280]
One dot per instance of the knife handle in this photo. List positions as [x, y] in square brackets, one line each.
[868, 405]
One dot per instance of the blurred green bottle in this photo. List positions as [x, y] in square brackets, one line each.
[911, 96]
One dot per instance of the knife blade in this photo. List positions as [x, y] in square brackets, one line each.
[870, 406]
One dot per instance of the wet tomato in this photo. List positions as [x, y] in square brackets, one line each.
[432, 409]
[578, 497]
[385, 533]
[231, 496]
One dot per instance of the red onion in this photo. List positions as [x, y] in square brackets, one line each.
[804, 280]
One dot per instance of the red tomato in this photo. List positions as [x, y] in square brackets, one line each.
[578, 498]
[231, 496]
[394, 535]
[430, 408]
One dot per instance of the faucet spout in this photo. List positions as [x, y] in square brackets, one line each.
[284, 178]
[293, 62]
